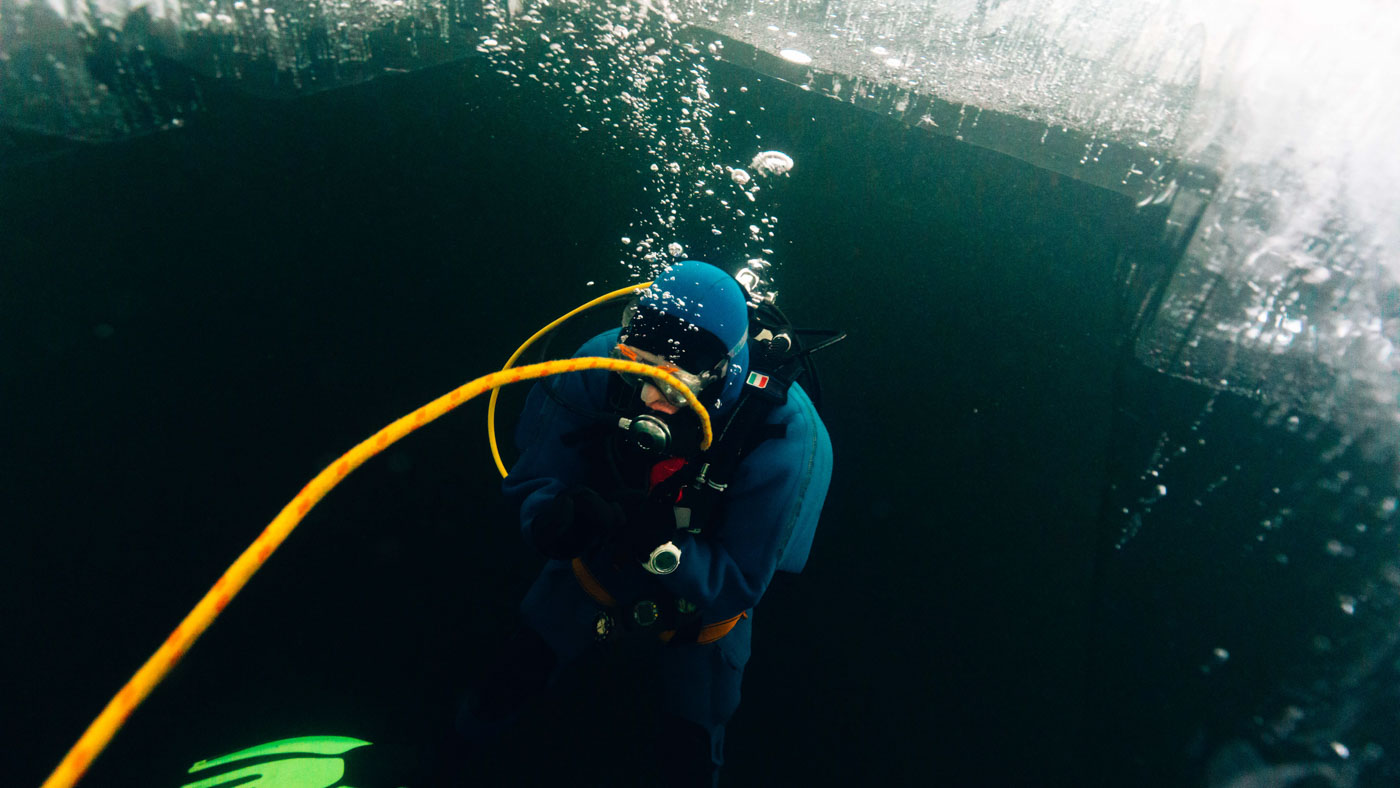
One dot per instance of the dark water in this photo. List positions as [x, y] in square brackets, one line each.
[196, 322]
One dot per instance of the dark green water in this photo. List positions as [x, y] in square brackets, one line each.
[196, 322]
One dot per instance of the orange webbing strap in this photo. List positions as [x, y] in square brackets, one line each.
[710, 632]
[624, 292]
[120, 707]
[591, 586]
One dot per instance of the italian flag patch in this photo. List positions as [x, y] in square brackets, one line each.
[758, 381]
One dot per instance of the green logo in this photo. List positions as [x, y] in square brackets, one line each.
[305, 762]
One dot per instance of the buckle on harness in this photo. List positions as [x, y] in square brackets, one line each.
[703, 478]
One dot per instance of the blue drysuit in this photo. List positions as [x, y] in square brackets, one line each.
[766, 522]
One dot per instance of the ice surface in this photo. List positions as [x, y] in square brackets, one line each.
[91, 71]
[1288, 286]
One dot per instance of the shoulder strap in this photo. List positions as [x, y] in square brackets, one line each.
[782, 353]
[746, 428]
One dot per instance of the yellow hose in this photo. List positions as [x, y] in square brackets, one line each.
[99, 734]
[621, 292]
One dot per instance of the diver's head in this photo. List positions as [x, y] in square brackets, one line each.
[692, 321]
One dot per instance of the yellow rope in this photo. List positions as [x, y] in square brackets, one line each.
[622, 292]
[99, 734]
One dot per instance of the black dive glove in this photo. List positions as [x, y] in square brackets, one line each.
[650, 524]
[574, 521]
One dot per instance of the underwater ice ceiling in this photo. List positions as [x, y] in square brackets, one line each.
[1287, 291]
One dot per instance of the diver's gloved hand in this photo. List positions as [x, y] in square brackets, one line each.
[574, 521]
[650, 524]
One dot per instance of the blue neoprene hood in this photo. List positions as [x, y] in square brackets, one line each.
[711, 300]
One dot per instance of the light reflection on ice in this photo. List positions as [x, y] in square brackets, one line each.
[1289, 102]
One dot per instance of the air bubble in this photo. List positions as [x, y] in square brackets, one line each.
[771, 163]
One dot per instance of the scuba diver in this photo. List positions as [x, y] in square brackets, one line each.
[645, 532]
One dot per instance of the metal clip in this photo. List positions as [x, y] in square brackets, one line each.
[703, 478]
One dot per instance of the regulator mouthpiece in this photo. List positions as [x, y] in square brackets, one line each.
[648, 432]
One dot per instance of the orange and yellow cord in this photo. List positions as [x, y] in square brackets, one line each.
[99, 734]
[620, 293]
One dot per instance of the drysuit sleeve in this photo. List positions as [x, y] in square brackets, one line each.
[555, 408]
[771, 507]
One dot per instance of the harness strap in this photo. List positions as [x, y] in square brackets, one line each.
[591, 586]
[746, 429]
[703, 635]
[708, 633]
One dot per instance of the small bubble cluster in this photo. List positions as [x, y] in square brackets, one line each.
[626, 76]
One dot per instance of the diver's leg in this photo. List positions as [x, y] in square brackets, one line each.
[560, 624]
[522, 668]
[700, 686]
